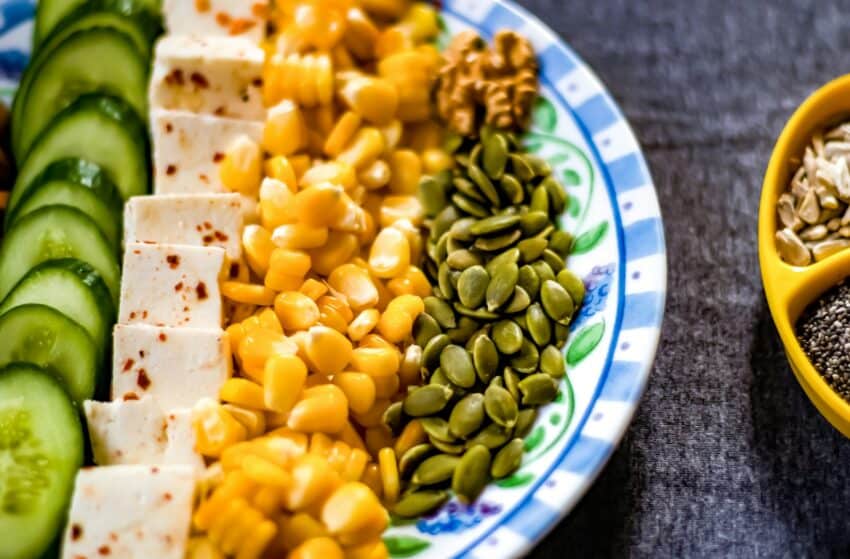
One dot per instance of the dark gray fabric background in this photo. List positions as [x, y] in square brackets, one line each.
[726, 456]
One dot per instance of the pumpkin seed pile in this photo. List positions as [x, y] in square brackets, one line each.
[491, 334]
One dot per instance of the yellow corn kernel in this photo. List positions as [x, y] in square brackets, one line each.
[375, 362]
[352, 219]
[364, 149]
[338, 249]
[296, 311]
[338, 456]
[421, 22]
[351, 437]
[287, 442]
[395, 325]
[406, 169]
[278, 280]
[202, 548]
[374, 549]
[235, 333]
[249, 293]
[342, 133]
[372, 479]
[299, 236]
[354, 514]
[415, 281]
[254, 421]
[375, 99]
[284, 379]
[396, 208]
[435, 160]
[316, 379]
[389, 473]
[264, 472]
[411, 304]
[235, 485]
[337, 304]
[332, 319]
[409, 372]
[386, 387]
[231, 525]
[313, 288]
[328, 350]
[334, 172]
[267, 500]
[260, 536]
[241, 169]
[378, 437]
[242, 392]
[268, 320]
[257, 242]
[355, 466]
[320, 204]
[320, 445]
[392, 133]
[312, 480]
[358, 388]
[258, 346]
[322, 409]
[414, 237]
[276, 207]
[281, 169]
[215, 428]
[300, 527]
[361, 34]
[317, 548]
[318, 24]
[377, 341]
[392, 40]
[412, 435]
[363, 323]
[390, 253]
[356, 284]
[295, 262]
[376, 175]
[372, 418]
[284, 132]
[300, 164]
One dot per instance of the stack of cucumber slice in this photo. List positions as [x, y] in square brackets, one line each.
[81, 147]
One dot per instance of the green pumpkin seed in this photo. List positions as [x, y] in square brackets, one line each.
[495, 156]
[456, 364]
[444, 281]
[452, 141]
[573, 285]
[527, 359]
[441, 250]
[545, 232]
[521, 168]
[468, 188]
[448, 448]
[418, 503]
[472, 473]
[562, 332]
[453, 244]
[561, 242]
[484, 184]
[533, 223]
[432, 350]
[557, 194]
[468, 205]
[466, 327]
[438, 428]
[492, 436]
[543, 270]
[463, 259]
[472, 286]
[426, 400]
[539, 200]
[519, 302]
[508, 459]
[511, 383]
[539, 326]
[531, 249]
[462, 159]
[552, 362]
[475, 154]
[461, 229]
[556, 301]
[510, 256]
[499, 242]
[412, 458]
[555, 262]
[467, 416]
[508, 336]
[502, 283]
[539, 165]
[393, 417]
[524, 422]
[494, 224]
[528, 281]
[497, 381]
[444, 221]
[441, 312]
[500, 406]
[432, 195]
[430, 270]
[538, 389]
[512, 189]
[438, 377]
[424, 329]
[485, 357]
[478, 314]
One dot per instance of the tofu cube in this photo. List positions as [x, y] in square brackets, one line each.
[176, 366]
[187, 148]
[132, 512]
[180, 448]
[219, 76]
[186, 219]
[171, 285]
[239, 18]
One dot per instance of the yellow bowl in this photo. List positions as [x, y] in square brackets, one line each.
[790, 289]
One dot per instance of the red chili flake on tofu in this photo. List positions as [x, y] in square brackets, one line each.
[76, 532]
[223, 19]
[154, 470]
[167, 496]
[202, 5]
[162, 336]
[219, 111]
[221, 236]
[207, 239]
[202, 290]
[128, 364]
[137, 251]
[104, 550]
[169, 128]
[217, 156]
[132, 315]
[113, 536]
[186, 309]
[144, 314]
[234, 270]
[199, 80]
[257, 82]
[130, 396]
[204, 178]
[178, 286]
[170, 170]
[260, 9]
[143, 380]
[173, 261]
[175, 77]
[141, 354]
[241, 25]
[207, 225]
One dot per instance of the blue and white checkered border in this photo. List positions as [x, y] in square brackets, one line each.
[640, 236]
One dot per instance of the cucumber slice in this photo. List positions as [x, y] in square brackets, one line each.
[41, 449]
[73, 288]
[79, 184]
[98, 60]
[103, 130]
[51, 233]
[50, 13]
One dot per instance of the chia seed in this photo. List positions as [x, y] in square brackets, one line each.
[824, 334]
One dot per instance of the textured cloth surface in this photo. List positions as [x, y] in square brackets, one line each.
[726, 456]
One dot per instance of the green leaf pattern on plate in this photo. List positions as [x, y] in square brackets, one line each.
[405, 546]
[585, 342]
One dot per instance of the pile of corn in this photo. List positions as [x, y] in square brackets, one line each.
[321, 312]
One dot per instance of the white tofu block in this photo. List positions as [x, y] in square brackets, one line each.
[180, 448]
[187, 148]
[171, 285]
[186, 219]
[240, 18]
[177, 366]
[130, 512]
[221, 76]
